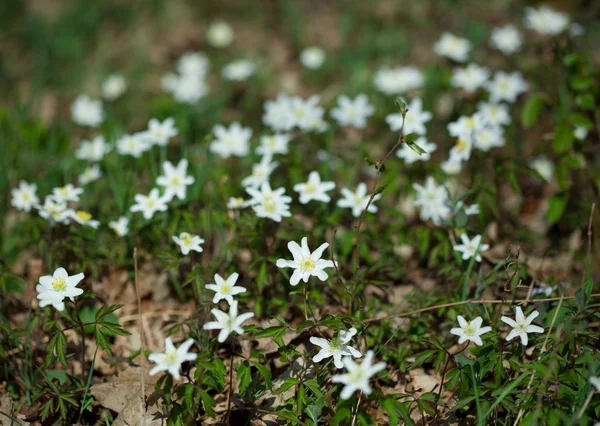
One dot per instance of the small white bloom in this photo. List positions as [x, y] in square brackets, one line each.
[470, 78]
[395, 81]
[464, 127]
[357, 201]
[433, 200]
[236, 203]
[89, 175]
[470, 330]
[507, 87]
[306, 114]
[414, 121]
[219, 34]
[239, 70]
[24, 197]
[87, 112]
[149, 204]
[159, 133]
[471, 247]
[113, 87]
[521, 325]
[260, 172]
[543, 166]
[462, 150]
[193, 65]
[228, 322]
[451, 166]
[546, 21]
[54, 288]
[595, 382]
[269, 203]
[278, 113]
[336, 348]
[353, 112]
[410, 156]
[54, 211]
[274, 144]
[120, 226]
[225, 288]
[507, 39]
[188, 242]
[188, 89]
[453, 47]
[234, 140]
[84, 218]
[64, 194]
[134, 145]
[488, 137]
[171, 359]
[580, 132]
[493, 114]
[305, 263]
[470, 210]
[314, 189]
[312, 57]
[358, 375]
[93, 150]
[175, 179]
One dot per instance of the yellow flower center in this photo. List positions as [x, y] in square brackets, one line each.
[83, 215]
[461, 145]
[469, 329]
[59, 284]
[270, 206]
[307, 264]
[63, 191]
[26, 196]
[272, 142]
[187, 239]
[225, 289]
[171, 357]
[175, 181]
[470, 122]
[311, 187]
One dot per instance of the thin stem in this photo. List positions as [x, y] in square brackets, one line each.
[230, 390]
[82, 329]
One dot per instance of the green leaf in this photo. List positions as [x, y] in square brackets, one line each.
[422, 357]
[243, 375]
[558, 202]
[264, 372]
[288, 383]
[410, 138]
[563, 138]
[342, 416]
[532, 109]
[207, 402]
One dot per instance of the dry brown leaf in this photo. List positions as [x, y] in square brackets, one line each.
[7, 406]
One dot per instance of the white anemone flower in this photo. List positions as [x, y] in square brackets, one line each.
[471, 247]
[305, 263]
[175, 179]
[336, 348]
[357, 201]
[358, 375]
[314, 189]
[171, 359]
[228, 322]
[521, 325]
[188, 242]
[149, 204]
[470, 330]
[24, 197]
[54, 288]
[225, 288]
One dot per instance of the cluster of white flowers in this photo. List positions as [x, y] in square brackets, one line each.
[289, 112]
[396, 81]
[188, 85]
[521, 326]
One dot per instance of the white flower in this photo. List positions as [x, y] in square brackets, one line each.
[488, 137]
[414, 121]
[471, 247]
[336, 348]
[410, 156]
[312, 57]
[120, 226]
[314, 189]
[149, 204]
[274, 144]
[93, 150]
[462, 150]
[470, 78]
[507, 39]
[595, 381]
[24, 197]
[357, 201]
[493, 113]
[545, 20]
[175, 180]
[306, 113]
[470, 330]
[84, 218]
[171, 359]
[269, 203]
[260, 172]
[507, 87]
[470, 210]
[54, 211]
[453, 47]
[451, 166]
[433, 200]
[89, 175]
[225, 288]
[521, 325]
[580, 132]
[305, 263]
[54, 288]
[278, 113]
[464, 127]
[64, 194]
[134, 145]
[219, 34]
[193, 65]
[234, 140]
[159, 133]
[188, 88]
[188, 242]
[236, 203]
[228, 322]
[353, 112]
[113, 87]
[395, 81]
[239, 70]
[87, 112]
[358, 375]
[543, 166]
